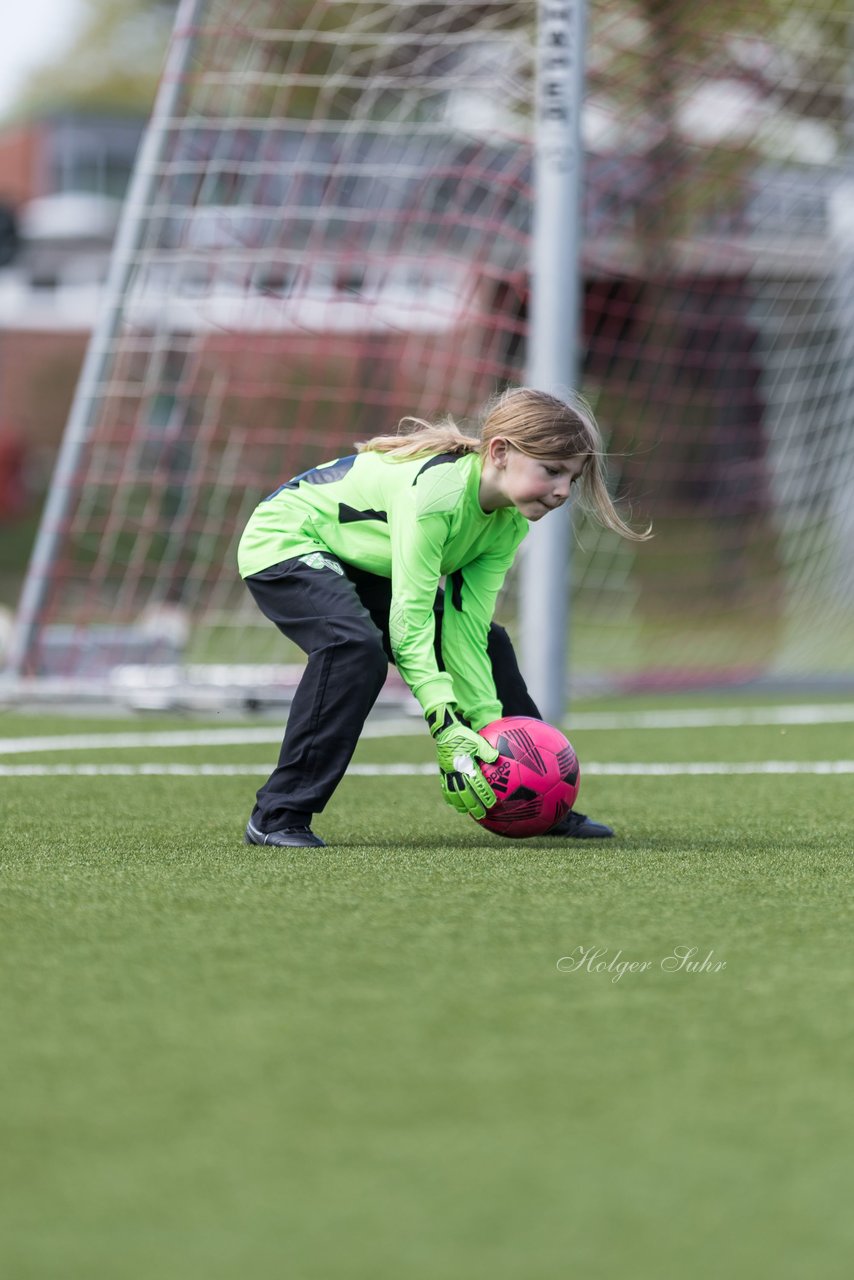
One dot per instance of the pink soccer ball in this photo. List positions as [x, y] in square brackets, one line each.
[536, 777]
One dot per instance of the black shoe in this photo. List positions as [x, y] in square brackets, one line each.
[581, 827]
[302, 836]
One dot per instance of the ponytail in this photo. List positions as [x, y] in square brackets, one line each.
[422, 439]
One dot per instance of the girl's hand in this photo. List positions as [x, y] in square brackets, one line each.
[458, 749]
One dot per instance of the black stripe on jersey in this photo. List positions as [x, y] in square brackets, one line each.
[456, 583]
[439, 458]
[349, 515]
[318, 475]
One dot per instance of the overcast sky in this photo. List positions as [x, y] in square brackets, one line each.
[33, 30]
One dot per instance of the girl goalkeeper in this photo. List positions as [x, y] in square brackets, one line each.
[346, 560]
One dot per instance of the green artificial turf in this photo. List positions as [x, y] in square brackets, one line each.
[365, 1061]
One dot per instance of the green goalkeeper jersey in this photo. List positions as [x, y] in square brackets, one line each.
[413, 521]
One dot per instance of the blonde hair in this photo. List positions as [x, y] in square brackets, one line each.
[535, 423]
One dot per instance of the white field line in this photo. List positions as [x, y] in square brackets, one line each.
[800, 714]
[591, 769]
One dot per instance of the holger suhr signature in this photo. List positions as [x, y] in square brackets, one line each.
[681, 959]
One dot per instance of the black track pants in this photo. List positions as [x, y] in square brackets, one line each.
[338, 616]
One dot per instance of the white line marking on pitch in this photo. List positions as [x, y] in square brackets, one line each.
[711, 717]
[593, 769]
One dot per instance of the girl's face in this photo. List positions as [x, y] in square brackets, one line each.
[534, 486]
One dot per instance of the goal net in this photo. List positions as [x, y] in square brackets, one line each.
[329, 229]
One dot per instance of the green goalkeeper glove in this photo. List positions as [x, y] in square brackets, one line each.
[458, 749]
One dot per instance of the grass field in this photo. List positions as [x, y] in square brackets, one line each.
[367, 1062]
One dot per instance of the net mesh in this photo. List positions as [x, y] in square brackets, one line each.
[335, 233]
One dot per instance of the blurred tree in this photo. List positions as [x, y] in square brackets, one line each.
[117, 55]
[112, 64]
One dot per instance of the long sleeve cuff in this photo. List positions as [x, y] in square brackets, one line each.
[434, 690]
